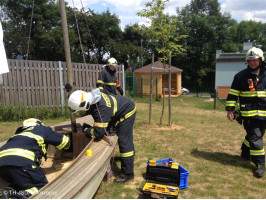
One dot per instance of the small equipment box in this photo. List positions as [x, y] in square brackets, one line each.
[163, 179]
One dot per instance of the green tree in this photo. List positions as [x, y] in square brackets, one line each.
[208, 29]
[162, 29]
[43, 31]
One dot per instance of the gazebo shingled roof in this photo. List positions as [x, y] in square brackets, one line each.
[157, 64]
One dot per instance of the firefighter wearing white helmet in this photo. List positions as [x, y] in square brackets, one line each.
[107, 81]
[21, 157]
[109, 110]
[81, 101]
[249, 87]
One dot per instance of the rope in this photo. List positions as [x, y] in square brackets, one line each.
[28, 48]
[93, 46]
[79, 34]
[27, 55]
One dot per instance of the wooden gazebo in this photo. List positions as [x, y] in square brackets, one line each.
[160, 79]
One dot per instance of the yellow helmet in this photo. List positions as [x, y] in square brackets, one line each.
[32, 122]
[254, 53]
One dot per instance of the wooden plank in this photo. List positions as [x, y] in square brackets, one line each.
[33, 91]
[6, 82]
[40, 85]
[48, 78]
[29, 92]
[44, 84]
[12, 82]
[57, 84]
[53, 85]
[22, 84]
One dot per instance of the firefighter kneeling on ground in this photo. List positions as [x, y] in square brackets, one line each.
[249, 86]
[21, 157]
[105, 110]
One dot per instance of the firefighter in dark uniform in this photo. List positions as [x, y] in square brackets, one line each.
[109, 109]
[107, 81]
[249, 86]
[21, 157]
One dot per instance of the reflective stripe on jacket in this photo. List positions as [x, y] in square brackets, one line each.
[252, 104]
[112, 109]
[28, 146]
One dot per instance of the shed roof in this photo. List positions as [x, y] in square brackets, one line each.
[158, 68]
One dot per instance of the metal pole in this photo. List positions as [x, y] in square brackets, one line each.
[61, 87]
[68, 57]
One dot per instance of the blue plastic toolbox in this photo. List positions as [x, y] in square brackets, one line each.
[183, 172]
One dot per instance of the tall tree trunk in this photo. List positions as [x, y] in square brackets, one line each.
[169, 96]
[161, 119]
[151, 83]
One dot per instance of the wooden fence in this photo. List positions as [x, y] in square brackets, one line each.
[41, 83]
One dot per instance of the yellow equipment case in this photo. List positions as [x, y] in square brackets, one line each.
[163, 179]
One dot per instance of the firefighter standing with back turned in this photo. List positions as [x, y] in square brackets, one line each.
[249, 86]
[21, 156]
[105, 110]
[107, 81]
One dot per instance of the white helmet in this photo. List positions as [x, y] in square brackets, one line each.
[112, 61]
[254, 53]
[81, 101]
[32, 122]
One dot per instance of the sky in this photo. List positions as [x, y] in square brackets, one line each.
[126, 9]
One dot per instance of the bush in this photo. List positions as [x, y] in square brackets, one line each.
[11, 113]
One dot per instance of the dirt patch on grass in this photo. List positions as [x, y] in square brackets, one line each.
[169, 128]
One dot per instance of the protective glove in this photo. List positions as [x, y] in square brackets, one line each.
[120, 91]
[68, 87]
[84, 126]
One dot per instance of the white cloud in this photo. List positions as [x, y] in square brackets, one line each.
[127, 9]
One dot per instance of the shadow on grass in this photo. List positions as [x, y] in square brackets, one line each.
[223, 158]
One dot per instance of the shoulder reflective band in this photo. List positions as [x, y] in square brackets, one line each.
[18, 152]
[106, 99]
[101, 125]
[38, 139]
[257, 152]
[252, 113]
[231, 103]
[100, 81]
[234, 92]
[127, 154]
[32, 191]
[64, 142]
[115, 105]
[109, 83]
[101, 88]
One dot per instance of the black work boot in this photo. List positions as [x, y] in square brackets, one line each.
[122, 178]
[259, 171]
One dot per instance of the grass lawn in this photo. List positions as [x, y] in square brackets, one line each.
[201, 139]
